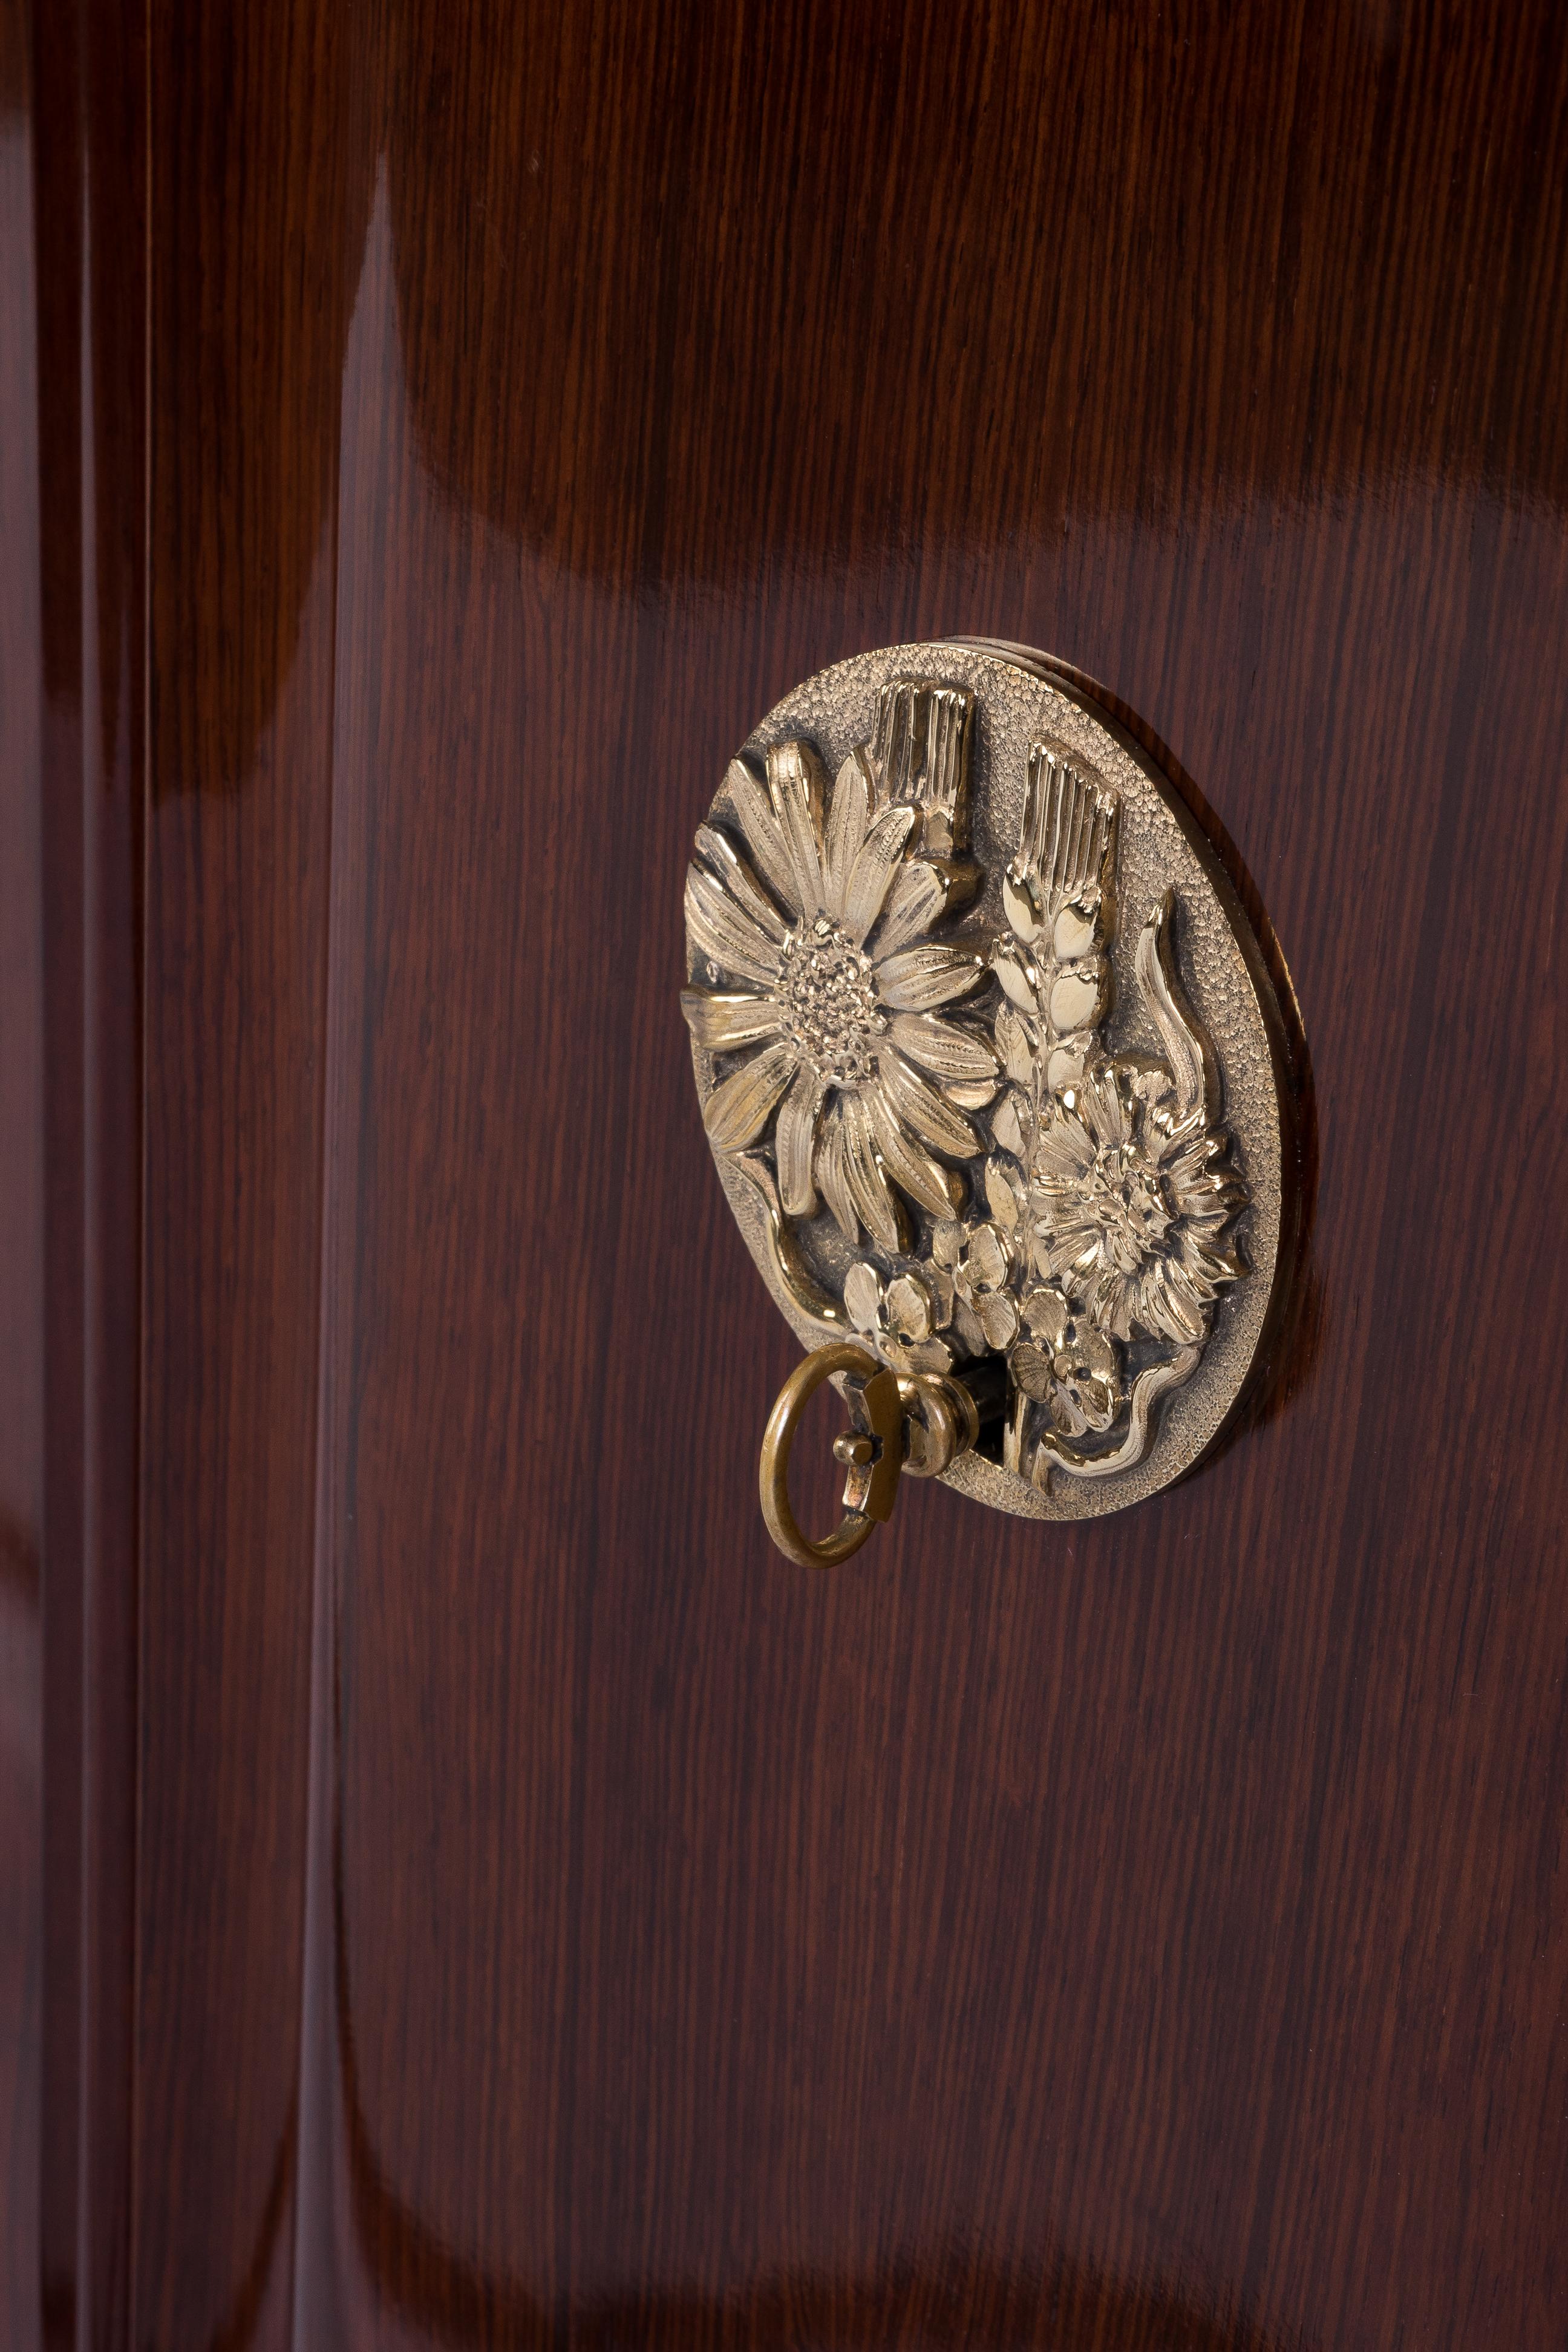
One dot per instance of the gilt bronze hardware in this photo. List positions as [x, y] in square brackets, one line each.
[919, 1425]
[988, 1061]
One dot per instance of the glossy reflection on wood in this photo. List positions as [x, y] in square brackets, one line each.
[544, 1916]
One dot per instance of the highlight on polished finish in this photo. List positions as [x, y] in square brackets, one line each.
[972, 1125]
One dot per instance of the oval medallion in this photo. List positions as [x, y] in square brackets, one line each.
[990, 1064]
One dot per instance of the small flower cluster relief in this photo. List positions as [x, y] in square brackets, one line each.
[975, 1296]
[1104, 1231]
[929, 1316]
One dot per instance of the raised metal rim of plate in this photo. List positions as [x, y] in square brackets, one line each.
[989, 1062]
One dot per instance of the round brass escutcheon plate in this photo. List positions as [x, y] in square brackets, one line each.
[991, 1064]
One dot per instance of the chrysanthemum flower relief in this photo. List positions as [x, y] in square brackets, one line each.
[817, 928]
[1127, 1204]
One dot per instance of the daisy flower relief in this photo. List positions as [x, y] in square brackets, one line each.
[817, 929]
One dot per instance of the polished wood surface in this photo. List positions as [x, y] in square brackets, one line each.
[21, 1215]
[490, 1898]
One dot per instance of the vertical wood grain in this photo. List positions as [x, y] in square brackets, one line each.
[90, 231]
[258, 196]
[21, 1212]
[551, 1920]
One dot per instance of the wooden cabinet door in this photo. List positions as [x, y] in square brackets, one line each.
[468, 1890]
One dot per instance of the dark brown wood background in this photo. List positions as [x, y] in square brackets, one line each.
[488, 1898]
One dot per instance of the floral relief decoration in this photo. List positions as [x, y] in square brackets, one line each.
[830, 988]
[1023, 1191]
